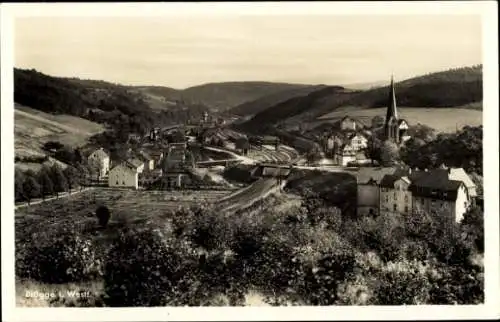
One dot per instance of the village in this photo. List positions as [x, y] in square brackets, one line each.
[209, 145]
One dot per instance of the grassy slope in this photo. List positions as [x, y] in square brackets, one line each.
[460, 87]
[32, 128]
[441, 119]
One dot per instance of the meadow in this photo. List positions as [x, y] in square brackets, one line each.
[441, 119]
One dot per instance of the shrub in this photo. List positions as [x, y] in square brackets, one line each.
[145, 269]
[210, 230]
[323, 280]
[103, 215]
[66, 257]
[457, 285]
[402, 283]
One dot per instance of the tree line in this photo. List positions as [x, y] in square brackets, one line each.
[53, 180]
[427, 150]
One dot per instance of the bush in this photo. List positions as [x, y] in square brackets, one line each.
[402, 283]
[103, 215]
[67, 257]
[210, 230]
[457, 285]
[145, 269]
[323, 280]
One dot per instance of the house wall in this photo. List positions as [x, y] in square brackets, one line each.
[398, 199]
[368, 197]
[149, 165]
[359, 142]
[103, 163]
[462, 204]
[348, 124]
[343, 159]
[121, 176]
[445, 208]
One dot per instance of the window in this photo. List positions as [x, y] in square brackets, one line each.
[386, 198]
[123, 182]
[116, 181]
[394, 207]
[395, 195]
[406, 198]
[406, 208]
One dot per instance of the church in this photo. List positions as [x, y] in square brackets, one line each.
[395, 129]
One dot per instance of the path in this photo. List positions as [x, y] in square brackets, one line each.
[61, 195]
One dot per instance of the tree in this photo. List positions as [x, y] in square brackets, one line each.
[71, 175]
[46, 184]
[94, 168]
[314, 154]
[59, 180]
[52, 146]
[65, 155]
[78, 156]
[473, 225]
[422, 132]
[82, 175]
[389, 153]
[377, 121]
[103, 215]
[373, 149]
[31, 188]
[19, 178]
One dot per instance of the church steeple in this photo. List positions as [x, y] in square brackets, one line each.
[392, 113]
[391, 117]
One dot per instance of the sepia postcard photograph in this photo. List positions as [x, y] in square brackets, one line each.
[246, 161]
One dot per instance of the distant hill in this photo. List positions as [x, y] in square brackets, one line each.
[451, 88]
[114, 105]
[223, 96]
[365, 86]
[260, 104]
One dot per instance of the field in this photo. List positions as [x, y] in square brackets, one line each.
[32, 128]
[441, 119]
[126, 205]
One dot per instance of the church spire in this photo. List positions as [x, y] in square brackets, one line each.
[391, 108]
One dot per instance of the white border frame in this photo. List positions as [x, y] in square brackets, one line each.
[488, 11]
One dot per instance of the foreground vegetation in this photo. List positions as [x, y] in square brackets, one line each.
[288, 252]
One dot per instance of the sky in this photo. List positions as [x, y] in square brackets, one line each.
[182, 51]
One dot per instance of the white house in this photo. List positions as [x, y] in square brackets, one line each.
[395, 194]
[345, 155]
[446, 199]
[444, 191]
[358, 141]
[138, 164]
[368, 190]
[124, 175]
[101, 158]
[149, 162]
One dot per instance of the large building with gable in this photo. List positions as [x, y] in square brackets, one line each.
[443, 191]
